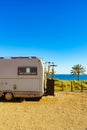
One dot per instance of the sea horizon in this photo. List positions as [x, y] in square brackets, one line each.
[69, 77]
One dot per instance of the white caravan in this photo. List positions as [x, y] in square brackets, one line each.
[21, 77]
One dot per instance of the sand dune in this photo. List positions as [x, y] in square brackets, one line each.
[64, 111]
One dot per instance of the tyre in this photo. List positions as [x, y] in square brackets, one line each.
[8, 96]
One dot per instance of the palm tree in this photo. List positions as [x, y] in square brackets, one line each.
[78, 70]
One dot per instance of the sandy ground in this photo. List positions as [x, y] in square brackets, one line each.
[64, 111]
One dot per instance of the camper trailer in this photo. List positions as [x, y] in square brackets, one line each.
[21, 77]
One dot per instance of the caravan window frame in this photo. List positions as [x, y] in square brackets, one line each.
[27, 70]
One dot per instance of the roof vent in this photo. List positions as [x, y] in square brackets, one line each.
[1, 57]
[34, 57]
[20, 57]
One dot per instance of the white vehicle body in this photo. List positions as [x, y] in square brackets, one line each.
[21, 77]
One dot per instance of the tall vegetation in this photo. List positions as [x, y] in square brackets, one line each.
[78, 70]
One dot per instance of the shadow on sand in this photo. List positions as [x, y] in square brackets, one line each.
[19, 100]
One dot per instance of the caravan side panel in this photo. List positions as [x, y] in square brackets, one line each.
[23, 83]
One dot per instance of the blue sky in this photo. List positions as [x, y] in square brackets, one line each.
[55, 30]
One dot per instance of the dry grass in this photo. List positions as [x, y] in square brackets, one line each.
[64, 111]
[66, 85]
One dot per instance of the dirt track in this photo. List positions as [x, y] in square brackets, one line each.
[64, 111]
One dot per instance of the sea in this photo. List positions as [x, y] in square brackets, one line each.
[69, 77]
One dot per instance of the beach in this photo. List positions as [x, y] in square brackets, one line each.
[64, 111]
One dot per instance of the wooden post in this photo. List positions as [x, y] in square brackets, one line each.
[71, 86]
[62, 86]
[81, 87]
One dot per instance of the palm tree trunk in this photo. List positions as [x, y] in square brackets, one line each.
[78, 76]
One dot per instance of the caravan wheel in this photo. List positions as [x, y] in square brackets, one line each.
[8, 96]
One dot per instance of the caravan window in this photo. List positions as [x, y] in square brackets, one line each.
[27, 70]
